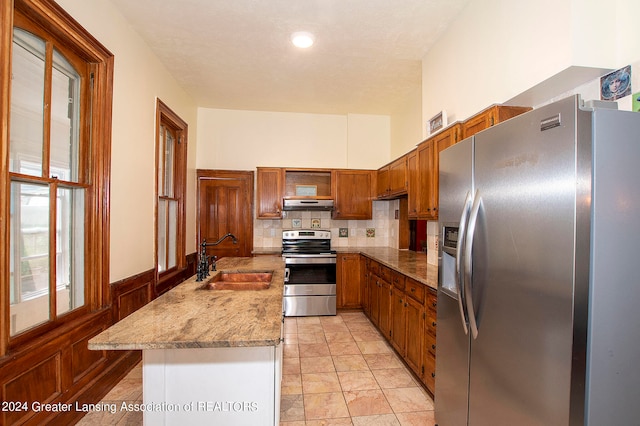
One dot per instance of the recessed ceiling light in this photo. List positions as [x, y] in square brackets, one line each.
[302, 39]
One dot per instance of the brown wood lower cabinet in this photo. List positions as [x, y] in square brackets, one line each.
[429, 374]
[415, 334]
[348, 292]
[404, 311]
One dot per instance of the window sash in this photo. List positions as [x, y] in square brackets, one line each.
[47, 204]
[171, 178]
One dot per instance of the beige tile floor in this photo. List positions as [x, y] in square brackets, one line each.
[336, 371]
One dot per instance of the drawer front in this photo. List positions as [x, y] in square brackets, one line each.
[430, 345]
[432, 300]
[398, 280]
[374, 268]
[431, 322]
[414, 289]
[429, 376]
[385, 273]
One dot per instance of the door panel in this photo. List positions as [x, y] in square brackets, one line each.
[225, 204]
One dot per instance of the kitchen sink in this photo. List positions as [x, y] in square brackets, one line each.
[239, 280]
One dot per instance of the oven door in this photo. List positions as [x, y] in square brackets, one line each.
[310, 285]
[310, 270]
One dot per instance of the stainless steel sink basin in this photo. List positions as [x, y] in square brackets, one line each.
[239, 280]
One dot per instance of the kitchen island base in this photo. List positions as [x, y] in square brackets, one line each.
[205, 386]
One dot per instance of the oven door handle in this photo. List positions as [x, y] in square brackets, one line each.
[287, 271]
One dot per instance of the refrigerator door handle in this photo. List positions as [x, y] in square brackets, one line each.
[459, 251]
[468, 272]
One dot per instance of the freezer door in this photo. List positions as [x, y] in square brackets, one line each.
[452, 361]
[523, 268]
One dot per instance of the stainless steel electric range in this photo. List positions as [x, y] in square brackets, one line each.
[310, 274]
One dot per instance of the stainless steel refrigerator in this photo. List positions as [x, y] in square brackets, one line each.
[539, 290]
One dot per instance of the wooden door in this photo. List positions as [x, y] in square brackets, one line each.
[374, 298]
[270, 190]
[382, 188]
[415, 331]
[398, 320]
[398, 176]
[425, 178]
[225, 204]
[349, 286]
[352, 190]
[413, 190]
[384, 307]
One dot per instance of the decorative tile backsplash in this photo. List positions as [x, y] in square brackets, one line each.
[383, 227]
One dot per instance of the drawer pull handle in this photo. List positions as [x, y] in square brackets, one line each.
[433, 347]
[433, 375]
[433, 323]
[413, 289]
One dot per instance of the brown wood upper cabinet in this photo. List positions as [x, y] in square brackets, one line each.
[352, 190]
[490, 116]
[425, 195]
[393, 179]
[270, 184]
[414, 184]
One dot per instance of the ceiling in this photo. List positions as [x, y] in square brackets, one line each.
[236, 54]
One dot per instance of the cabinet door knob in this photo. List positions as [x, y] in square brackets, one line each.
[433, 323]
[433, 347]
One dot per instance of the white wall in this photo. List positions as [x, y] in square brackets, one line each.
[368, 140]
[497, 49]
[242, 140]
[138, 79]
[406, 126]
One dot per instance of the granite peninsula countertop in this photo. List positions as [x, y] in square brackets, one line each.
[187, 317]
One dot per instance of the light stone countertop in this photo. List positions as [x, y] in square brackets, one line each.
[410, 263]
[187, 317]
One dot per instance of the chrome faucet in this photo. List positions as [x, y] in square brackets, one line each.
[203, 263]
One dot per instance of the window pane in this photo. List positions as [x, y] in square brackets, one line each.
[173, 234]
[65, 114]
[161, 162]
[162, 235]
[29, 247]
[168, 162]
[69, 249]
[27, 103]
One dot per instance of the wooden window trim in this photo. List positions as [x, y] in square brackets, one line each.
[52, 19]
[164, 115]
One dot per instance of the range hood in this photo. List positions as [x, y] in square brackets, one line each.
[306, 204]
